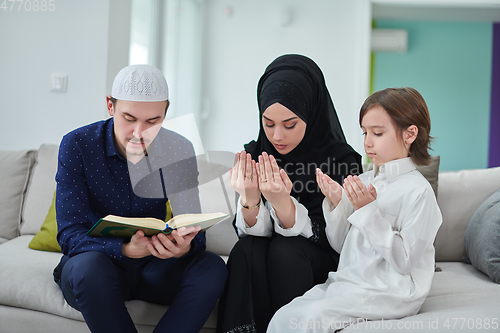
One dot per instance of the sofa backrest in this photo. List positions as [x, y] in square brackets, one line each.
[460, 193]
[219, 196]
[40, 191]
[29, 197]
[27, 183]
[15, 169]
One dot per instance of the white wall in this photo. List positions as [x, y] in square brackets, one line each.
[88, 40]
[73, 39]
[239, 46]
[85, 40]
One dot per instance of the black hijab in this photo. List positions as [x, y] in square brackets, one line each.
[297, 83]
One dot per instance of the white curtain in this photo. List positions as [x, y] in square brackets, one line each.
[168, 34]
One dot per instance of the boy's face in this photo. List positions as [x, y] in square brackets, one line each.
[383, 141]
[136, 124]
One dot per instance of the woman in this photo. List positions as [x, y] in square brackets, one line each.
[283, 250]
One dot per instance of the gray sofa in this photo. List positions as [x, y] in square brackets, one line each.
[461, 298]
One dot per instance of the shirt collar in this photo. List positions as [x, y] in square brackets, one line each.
[110, 139]
[393, 169]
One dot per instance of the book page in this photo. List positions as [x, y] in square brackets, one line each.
[149, 222]
[203, 220]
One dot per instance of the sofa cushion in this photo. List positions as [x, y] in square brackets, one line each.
[40, 190]
[15, 168]
[482, 238]
[461, 299]
[430, 172]
[460, 195]
[27, 282]
[46, 238]
[218, 196]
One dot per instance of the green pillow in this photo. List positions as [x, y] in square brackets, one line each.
[45, 239]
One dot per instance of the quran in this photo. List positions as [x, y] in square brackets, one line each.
[125, 227]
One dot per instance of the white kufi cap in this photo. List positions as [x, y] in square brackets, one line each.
[140, 83]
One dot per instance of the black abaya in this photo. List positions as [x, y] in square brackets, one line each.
[267, 273]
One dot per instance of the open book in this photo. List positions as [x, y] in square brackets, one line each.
[125, 227]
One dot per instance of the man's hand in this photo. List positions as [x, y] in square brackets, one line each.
[174, 245]
[137, 247]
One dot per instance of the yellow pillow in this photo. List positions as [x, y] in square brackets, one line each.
[45, 239]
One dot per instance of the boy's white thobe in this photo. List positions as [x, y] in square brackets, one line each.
[386, 255]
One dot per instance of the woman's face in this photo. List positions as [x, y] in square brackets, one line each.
[283, 128]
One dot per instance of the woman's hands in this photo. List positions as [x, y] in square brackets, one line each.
[244, 179]
[251, 179]
[275, 184]
[356, 191]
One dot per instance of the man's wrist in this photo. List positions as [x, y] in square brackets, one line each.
[191, 249]
[125, 245]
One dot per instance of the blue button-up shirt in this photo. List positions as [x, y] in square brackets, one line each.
[94, 180]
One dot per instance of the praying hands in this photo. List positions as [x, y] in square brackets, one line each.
[251, 179]
[356, 191]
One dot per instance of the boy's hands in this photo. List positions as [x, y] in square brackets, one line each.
[330, 188]
[357, 192]
[359, 195]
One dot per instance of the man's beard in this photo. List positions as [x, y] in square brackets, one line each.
[133, 152]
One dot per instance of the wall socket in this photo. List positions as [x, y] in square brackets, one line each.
[59, 82]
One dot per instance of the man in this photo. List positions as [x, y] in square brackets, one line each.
[129, 165]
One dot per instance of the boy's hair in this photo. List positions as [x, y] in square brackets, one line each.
[406, 107]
